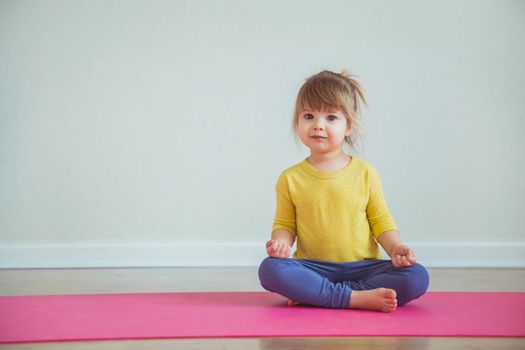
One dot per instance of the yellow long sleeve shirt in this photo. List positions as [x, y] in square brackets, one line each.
[335, 216]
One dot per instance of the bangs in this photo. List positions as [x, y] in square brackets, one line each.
[322, 95]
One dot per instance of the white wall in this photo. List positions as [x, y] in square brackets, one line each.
[160, 127]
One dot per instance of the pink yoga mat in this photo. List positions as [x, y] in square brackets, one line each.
[254, 314]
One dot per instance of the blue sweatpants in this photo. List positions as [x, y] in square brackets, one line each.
[330, 284]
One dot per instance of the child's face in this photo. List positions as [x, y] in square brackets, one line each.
[322, 131]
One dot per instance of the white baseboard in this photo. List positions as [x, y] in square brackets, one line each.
[251, 254]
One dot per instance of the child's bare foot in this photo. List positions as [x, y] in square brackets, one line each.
[292, 302]
[380, 299]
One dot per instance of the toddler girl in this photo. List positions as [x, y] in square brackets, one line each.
[333, 204]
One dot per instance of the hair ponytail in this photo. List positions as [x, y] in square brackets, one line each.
[357, 91]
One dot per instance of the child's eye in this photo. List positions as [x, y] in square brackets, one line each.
[332, 118]
[308, 116]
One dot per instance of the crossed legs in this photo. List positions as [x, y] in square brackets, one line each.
[375, 284]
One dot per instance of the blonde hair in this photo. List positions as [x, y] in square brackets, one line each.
[327, 91]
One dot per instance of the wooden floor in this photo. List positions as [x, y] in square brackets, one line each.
[85, 281]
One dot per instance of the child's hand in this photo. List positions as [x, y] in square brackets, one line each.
[278, 249]
[403, 256]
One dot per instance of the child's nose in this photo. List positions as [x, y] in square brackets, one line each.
[318, 125]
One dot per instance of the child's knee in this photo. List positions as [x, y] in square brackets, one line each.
[421, 279]
[271, 272]
[416, 284]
